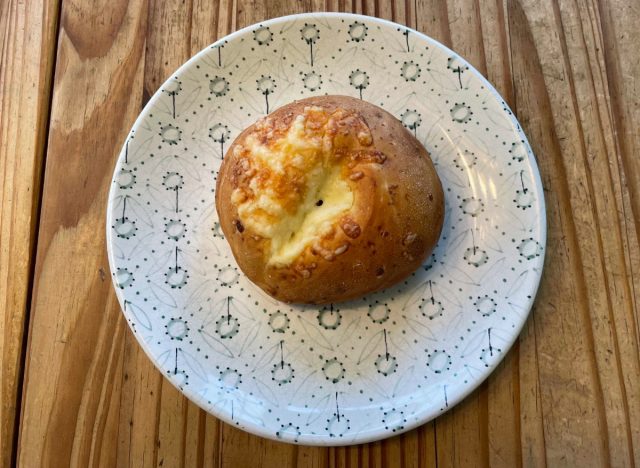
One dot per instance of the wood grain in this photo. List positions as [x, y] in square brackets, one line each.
[76, 334]
[567, 394]
[27, 48]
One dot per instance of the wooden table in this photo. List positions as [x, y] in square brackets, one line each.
[77, 390]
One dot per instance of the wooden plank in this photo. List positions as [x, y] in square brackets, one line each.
[248, 449]
[569, 394]
[76, 332]
[582, 380]
[312, 457]
[432, 18]
[27, 47]
[138, 411]
[466, 32]
[503, 386]
[618, 20]
[531, 418]
[239, 448]
[158, 425]
[393, 452]
[168, 41]
[168, 45]
[172, 424]
[479, 35]
[418, 447]
[613, 326]
[183, 432]
[462, 433]
[503, 412]
[617, 24]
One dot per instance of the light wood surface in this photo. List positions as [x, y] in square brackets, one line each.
[73, 77]
[27, 50]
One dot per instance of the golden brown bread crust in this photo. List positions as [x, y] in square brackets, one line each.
[393, 225]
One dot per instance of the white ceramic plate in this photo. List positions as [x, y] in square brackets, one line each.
[352, 372]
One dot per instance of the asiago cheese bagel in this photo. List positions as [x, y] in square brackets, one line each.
[327, 199]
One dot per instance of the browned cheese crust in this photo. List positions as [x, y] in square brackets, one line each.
[392, 225]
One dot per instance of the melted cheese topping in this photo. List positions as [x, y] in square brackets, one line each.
[297, 188]
[311, 221]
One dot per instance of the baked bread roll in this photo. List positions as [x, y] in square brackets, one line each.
[327, 199]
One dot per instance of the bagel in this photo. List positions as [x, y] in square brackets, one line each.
[327, 199]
